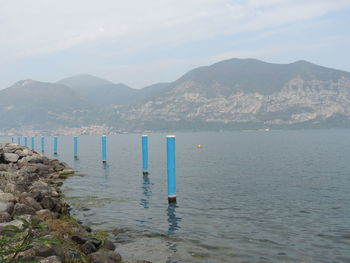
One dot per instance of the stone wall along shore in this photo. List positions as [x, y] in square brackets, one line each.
[29, 189]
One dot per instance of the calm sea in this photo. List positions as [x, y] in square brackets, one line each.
[247, 196]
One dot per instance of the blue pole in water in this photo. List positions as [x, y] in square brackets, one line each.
[25, 141]
[75, 147]
[19, 140]
[33, 143]
[145, 154]
[104, 149]
[13, 139]
[55, 145]
[171, 167]
[42, 144]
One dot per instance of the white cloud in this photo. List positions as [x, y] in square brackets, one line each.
[34, 27]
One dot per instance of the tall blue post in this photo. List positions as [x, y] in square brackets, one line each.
[13, 139]
[171, 168]
[104, 149]
[55, 145]
[19, 140]
[75, 147]
[26, 141]
[42, 144]
[33, 143]
[145, 154]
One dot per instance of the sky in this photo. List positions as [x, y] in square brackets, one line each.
[140, 43]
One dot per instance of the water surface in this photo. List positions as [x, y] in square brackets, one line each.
[247, 196]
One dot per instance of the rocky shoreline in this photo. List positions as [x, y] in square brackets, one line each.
[35, 223]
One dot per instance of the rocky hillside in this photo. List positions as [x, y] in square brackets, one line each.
[30, 103]
[251, 91]
[232, 94]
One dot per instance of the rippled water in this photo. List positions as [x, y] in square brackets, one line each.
[278, 196]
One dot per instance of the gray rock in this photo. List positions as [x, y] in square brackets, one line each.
[48, 202]
[10, 188]
[5, 217]
[88, 248]
[16, 223]
[36, 158]
[10, 207]
[11, 157]
[7, 197]
[44, 214]
[67, 171]
[3, 206]
[105, 257]
[22, 209]
[71, 256]
[83, 239]
[138, 261]
[109, 245]
[26, 217]
[52, 259]
[11, 148]
[3, 167]
[31, 202]
[43, 251]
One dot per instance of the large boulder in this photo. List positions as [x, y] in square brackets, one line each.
[11, 147]
[22, 209]
[11, 157]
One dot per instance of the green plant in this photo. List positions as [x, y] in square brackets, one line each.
[14, 240]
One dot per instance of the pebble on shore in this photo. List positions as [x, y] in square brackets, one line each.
[29, 188]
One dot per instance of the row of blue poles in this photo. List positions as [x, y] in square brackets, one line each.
[171, 164]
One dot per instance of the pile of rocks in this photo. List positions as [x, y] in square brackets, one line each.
[29, 187]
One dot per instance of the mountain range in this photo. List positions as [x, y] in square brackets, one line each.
[231, 94]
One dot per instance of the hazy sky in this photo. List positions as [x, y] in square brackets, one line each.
[143, 42]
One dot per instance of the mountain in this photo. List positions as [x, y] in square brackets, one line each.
[231, 94]
[245, 93]
[30, 103]
[100, 91]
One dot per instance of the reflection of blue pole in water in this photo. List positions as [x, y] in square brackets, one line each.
[55, 145]
[75, 147]
[172, 219]
[171, 168]
[145, 154]
[146, 192]
[104, 149]
[33, 143]
[19, 140]
[42, 144]
[25, 141]
[12, 139]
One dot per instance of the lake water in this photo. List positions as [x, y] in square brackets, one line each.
[247, 196]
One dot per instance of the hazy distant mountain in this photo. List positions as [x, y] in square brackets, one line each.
[100, 91]
[232, 94]
[248, 93]
[42, 105]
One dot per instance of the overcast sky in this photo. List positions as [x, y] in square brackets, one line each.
[143, 42]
